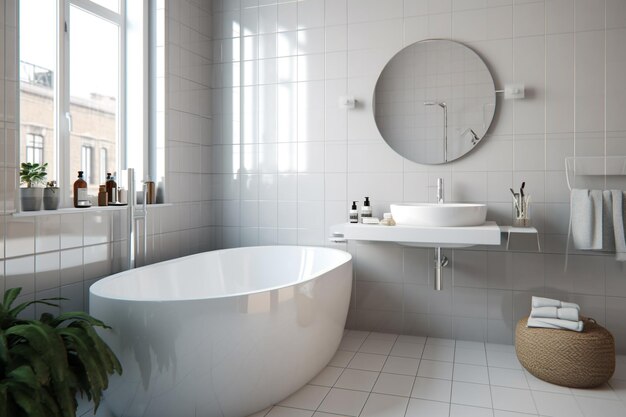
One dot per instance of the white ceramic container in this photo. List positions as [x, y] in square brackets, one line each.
[222, 333]
[439, 215]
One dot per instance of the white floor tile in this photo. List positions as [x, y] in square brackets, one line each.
[432, 389]
[438, 353]
[351, 344]
[603, 392]
[499, 347]
[513, 399]
[327, 377]
[556, 405]
[502, 413]
[419, 340]
[357, 380]
[320, 414]
[619, 386]
[471, 394]
[470, 373]
[407, 350]
[592, 407]
[425, 408]
[393, 384]
[470, 356]
[379, 346]
[435, 369]
[288, 412]
[441, 342]
[502, 359]
[367, 361]
[403, 366]
[511, 378]
[537, 384]
[380, 405]
[346, 402]
[341, 358]
[466, 344]
[261, 413]
[358, 334]
[457, 410]
[308, 397]
[383, 336]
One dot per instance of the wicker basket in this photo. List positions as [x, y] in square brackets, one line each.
[567, 358]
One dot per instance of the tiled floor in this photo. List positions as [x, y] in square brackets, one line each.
[386, 375]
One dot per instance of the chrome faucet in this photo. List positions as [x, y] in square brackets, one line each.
[440, 192]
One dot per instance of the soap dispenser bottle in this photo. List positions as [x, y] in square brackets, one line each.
[111, 188]
[354, 213]
[366, 210]
[81, 199]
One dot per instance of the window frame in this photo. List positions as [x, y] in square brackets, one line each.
[63, 117]
[35, 139]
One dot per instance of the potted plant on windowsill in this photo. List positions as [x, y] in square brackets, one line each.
[51, 195]
[45, 363]
[32, 175]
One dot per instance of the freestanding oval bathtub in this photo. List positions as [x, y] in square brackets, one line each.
[222, 333]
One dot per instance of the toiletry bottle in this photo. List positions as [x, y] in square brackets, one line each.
[122, 195]
[111, 187]
[102, 196]
[150, 191]
[80, 192]
[366, 210]
[388, 220]
[354, 213]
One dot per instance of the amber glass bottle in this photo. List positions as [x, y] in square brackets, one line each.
[111, 187]
[80, 192]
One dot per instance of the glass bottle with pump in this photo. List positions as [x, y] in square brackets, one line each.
[111, 188]
[81, 199]
[366, 210]
[354, 213]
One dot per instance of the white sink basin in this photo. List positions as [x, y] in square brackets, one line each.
[439, 215]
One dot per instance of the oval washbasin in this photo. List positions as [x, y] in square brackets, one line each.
[439, 215]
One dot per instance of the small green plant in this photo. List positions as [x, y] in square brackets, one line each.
[44, 363]
[33, 174]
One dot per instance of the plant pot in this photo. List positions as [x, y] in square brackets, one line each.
[31, 198]
[51, 198]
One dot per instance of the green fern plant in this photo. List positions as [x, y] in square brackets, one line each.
[33, 174]
[44, 363]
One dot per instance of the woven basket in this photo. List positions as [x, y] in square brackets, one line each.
[567, 358]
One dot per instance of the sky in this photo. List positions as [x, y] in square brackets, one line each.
[93, 46]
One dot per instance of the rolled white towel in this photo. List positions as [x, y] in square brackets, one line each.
[549, 302]
[564, 313]
[576, 326]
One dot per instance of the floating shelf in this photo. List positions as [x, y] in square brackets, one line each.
[444, 237]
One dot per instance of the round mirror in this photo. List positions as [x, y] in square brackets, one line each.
[434, 101]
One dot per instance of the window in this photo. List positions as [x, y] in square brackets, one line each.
[86, 163]
[72, 86]
[34, 148]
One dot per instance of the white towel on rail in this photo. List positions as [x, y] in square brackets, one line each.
[619, 215]
[586, 213]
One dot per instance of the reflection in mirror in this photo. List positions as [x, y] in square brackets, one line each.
[434, 101]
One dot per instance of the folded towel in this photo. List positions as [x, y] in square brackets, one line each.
[619, 215]
[564, 313]
[549, 302]
[576, 326]
[586, 218]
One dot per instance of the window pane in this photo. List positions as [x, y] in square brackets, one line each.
[109, 4]
[94, 89]
[37, 64]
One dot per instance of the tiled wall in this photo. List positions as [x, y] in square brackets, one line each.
[287, 161]
[63, 254]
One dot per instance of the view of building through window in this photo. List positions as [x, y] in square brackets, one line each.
[94, 90]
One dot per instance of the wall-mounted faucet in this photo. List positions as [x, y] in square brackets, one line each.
[440, 191]
[444, 106]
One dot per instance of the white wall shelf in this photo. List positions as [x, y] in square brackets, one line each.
[511, 231]
[450, 237]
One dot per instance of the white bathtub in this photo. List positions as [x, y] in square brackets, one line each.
[223, 333]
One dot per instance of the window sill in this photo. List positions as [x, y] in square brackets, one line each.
[74, 210]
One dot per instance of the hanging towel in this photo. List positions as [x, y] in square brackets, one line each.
[576, 326]
[608, 236]
[586, 218]
[618, 224]
[564, 313]
[549, 302]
